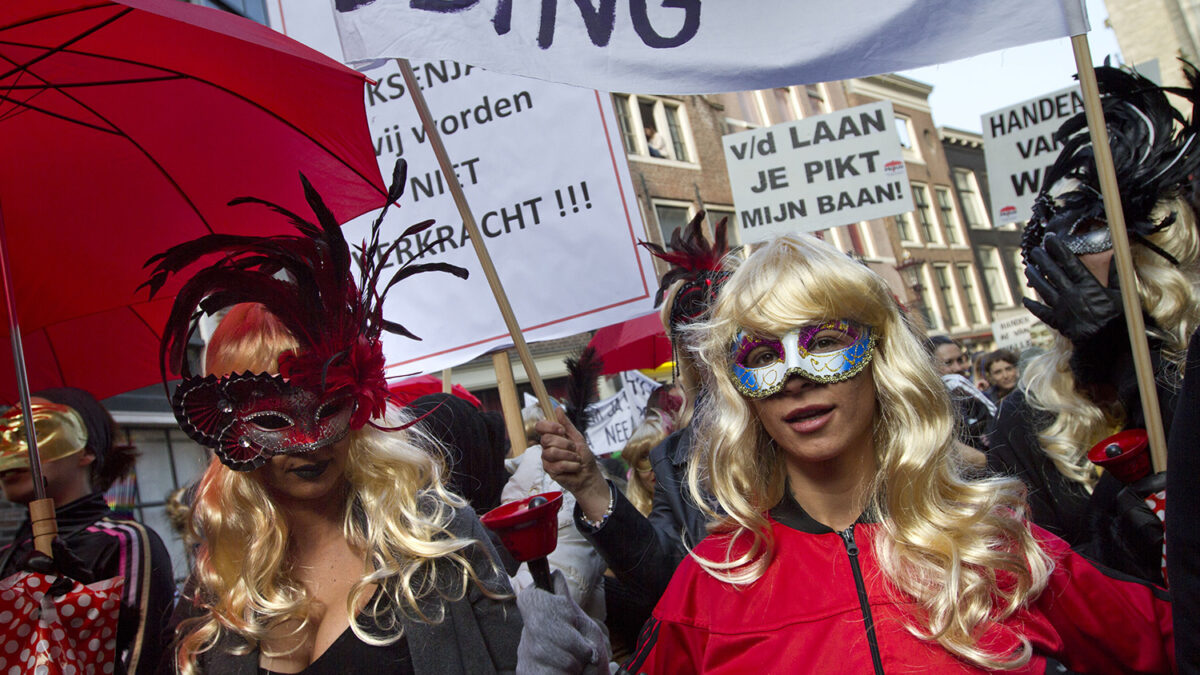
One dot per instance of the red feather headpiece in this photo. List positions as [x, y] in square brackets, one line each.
[306, 281]
[698, 263]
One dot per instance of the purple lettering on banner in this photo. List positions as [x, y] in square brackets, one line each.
[440, 6]
[641, 23]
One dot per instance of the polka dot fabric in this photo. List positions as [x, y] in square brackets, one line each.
[1158, 504]
[74, 634]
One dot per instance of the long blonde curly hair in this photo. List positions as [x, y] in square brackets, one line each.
[396, 514]
[944, 537]
[1170, 295]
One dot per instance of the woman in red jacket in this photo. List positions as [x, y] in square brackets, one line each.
[850, 537]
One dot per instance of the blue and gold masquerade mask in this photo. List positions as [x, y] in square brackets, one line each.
[825, 351]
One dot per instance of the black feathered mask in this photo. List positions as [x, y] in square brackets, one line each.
[698, 264]
[1154, 154]
[334, 382]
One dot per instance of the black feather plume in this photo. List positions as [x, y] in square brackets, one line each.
[583, 374]
[1154, 150]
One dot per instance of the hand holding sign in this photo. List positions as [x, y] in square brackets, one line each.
[570, 462]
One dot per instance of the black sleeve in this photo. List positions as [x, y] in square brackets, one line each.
[1055, 503]
[643, 551]
[1183, 515]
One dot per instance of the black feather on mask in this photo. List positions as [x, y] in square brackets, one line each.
[307, 281]
[1154, 154]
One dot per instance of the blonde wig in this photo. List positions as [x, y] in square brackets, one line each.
[943, 537]
[687, 376]
[636, 453]
[1170, 295]
[396, 514]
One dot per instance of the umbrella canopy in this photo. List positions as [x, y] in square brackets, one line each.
[127, 127]
[407, 391]
[632, 345]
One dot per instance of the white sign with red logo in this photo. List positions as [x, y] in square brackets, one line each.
[818, 172]
[1018, 143]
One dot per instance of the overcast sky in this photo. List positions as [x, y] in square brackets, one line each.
[965, 90]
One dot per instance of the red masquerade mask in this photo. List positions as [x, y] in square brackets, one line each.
[247, 419]
[334, 382]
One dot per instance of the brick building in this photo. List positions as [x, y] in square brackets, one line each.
[940, 279]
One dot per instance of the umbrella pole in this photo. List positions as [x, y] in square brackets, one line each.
[509, 404]
[485, 260]
[41, 509]
[1122, 256]
[446, 386]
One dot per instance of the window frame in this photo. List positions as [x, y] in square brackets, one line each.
[989, 255]
[971, 198]
[927, 224]
[949, 214]
[679, 139]
[972, 302]
[949, 292]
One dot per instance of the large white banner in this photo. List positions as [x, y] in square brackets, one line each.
[1019, 146]
[689, 46]
[818, 172]
[543, 169]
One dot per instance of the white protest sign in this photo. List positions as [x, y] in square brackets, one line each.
[542, 168]
[613, 420]
[1012, 329]
[1019, 146]
[818, 172]
[667, 47]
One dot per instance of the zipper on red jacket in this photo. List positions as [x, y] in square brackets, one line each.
[852, 549]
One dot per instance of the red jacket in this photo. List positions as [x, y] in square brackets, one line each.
[814, 612]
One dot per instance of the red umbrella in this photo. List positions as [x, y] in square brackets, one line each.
[126, 127]
[407, 391]
[632, 345]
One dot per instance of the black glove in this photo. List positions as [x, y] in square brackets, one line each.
[1128, 536]
[558, 637]
[65, 565]
[1076, 304]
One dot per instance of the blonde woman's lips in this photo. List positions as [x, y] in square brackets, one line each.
[809, 418]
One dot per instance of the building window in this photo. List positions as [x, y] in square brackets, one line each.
[671, 217]
[816, 98]
[625, 121]
[653, 127]
[904, 228]
[930, 311]
[1018, 268]
[968, 194]
[966, 279]
[924, 215]
[904, 132]
[994, 277]
[714, 214]
[949, 219]
[946, 286]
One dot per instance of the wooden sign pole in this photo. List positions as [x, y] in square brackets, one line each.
[1122, 256]
[510, 404]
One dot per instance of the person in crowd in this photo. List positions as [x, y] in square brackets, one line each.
[1083, 389]
[643, 551]
[636, 454]
[328, 543]
[849, 535]
[1000, 369]
[974, 411]
[80, 460]
[475, 445]
[1183, 518]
